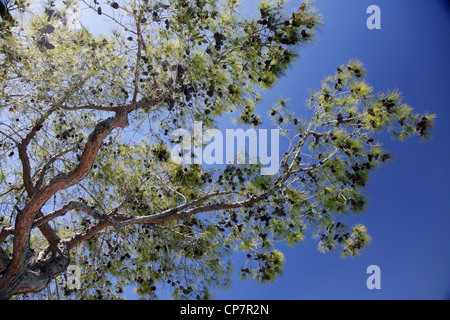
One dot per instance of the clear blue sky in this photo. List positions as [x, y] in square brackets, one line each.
[409, 213]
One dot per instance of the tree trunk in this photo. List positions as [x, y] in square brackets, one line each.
[36, 276]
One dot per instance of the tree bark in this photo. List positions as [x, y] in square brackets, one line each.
[33, 279]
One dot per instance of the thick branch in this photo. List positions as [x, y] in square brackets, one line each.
[25, 217]
[90, 107]
[176, 213]
[53, 215]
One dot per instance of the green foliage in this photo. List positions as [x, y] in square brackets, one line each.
[174, 62]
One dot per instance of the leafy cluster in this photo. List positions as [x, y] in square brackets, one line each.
[333, 154]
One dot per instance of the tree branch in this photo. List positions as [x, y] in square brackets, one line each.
[25, 217]
[90, 107]
[176, 213]
[138, 56]
[23, 155]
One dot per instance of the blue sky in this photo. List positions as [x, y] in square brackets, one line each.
[409, 213]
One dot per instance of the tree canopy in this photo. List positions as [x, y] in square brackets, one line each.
[86, 177]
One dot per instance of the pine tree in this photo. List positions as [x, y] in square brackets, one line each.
[86, 177]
